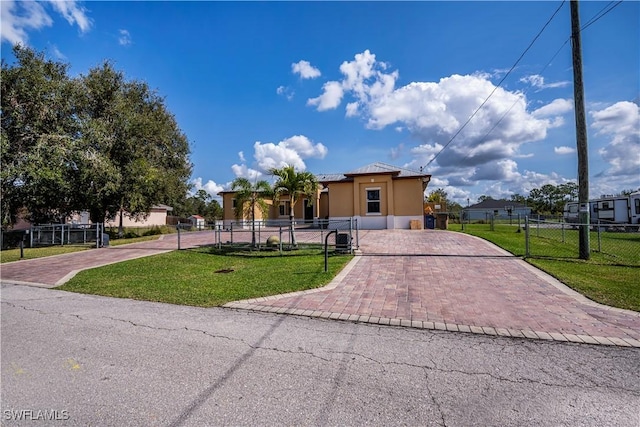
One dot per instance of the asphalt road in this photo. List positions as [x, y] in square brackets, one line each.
[99, 361]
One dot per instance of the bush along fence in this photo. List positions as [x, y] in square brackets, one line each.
[282, 235]
[54, 235]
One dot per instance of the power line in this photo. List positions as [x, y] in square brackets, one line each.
[497, 86]
[593, 20]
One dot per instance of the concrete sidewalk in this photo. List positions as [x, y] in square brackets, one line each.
[452, 281]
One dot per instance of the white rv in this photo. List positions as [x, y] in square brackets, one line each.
[608, 210]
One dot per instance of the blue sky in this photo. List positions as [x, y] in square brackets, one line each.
[333, 86]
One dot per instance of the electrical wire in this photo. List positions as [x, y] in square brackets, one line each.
[497, 86]
[593, 20]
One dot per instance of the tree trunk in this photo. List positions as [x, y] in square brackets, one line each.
[293, 230]
[253, 225]
[120, 225]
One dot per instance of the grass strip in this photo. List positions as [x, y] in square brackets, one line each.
[206, 278]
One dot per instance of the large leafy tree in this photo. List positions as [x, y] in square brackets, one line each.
[296, 185]
[96, 142]
[250, 197]
[128, 132]
[38, 137]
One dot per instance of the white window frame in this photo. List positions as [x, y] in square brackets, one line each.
[285, 205]
[378, 200]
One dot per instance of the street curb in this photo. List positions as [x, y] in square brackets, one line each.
[436, 326]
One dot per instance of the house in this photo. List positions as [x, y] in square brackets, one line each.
[378, 196]
[197, 221]
[491, 208]
[157, 217]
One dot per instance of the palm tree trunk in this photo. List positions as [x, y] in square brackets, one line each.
[253, 226]
[293, 231]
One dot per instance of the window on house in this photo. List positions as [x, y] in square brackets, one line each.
[637, 201]
[284, 208]
[373, 200]
[233, 203]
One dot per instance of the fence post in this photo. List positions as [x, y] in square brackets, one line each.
[178, 228]
[97, 235]
[231, 230]
[526, 235]
[280, 238]
[562, 224]
[31, 237]
[599, 238]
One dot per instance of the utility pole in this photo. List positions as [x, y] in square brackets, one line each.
[581, 133]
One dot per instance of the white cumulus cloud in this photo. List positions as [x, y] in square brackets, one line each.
[564, 150]
[554, 108]
[620, 122]
[290, 151]
[210, 187]
[330, 98]
[305, 70]
[18, 18]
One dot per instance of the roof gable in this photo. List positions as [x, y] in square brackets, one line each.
[377, 168]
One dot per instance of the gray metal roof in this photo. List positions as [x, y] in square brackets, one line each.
[496, 204]
[372, 169]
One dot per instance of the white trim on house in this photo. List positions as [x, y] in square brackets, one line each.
[372, 222]
[404, 222]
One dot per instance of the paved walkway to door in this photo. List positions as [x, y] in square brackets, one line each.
[451, 281]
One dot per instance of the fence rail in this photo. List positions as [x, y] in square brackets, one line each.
[611, 243]
[54, 235]
[281, 235]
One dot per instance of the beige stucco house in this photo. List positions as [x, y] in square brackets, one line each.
[378, 196]
[157, 217]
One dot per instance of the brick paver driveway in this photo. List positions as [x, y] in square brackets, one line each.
[446, 280]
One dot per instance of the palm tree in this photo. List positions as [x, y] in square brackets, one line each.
[250, 197]
[296, 185]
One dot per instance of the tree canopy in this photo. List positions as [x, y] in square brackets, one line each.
[97, 142]
[296, 185]
[250, 197]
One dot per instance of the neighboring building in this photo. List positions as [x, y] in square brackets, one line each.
[197, 221]
[157, 217]
[490, 208]
[378, 196]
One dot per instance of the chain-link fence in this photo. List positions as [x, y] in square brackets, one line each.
[282, 235]
[609, 243]
[54, 235]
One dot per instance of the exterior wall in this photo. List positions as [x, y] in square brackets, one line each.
[156, 217]
[404, 221]
[408, 200]
[323, 206]
[401, 200]
[341, 201]
[371, 182]
[228, 212]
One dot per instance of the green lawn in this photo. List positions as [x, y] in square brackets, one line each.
[206, 277]
[611, 276]
[11, 255]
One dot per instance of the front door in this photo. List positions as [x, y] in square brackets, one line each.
[308, 211]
